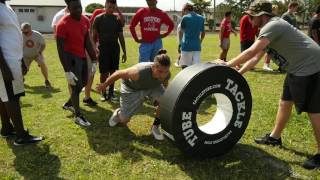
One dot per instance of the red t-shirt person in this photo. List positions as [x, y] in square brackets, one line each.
[247, 30]
[150, 24]
[227, 28]
[73, 32]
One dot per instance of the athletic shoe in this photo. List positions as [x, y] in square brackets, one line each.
[157, 134]
[114, 120]
[103, 97]
[80, 120]
[266, 67]
[27, 139]
[89, 102]
[267, 140]
[113, 98]
[313, 162]
[69, 107]
[176, 64]
[47, 84]
[7, 135]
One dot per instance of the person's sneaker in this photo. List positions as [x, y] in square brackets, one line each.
[176, 64]
[8, 134]
[113, 98]
[27, 139]
[47, 84]
[89, 102]
[266, 67]
[267, 140]
[80, 120]
[157, 134]
[103, 97]
[69, 107]
[114, 120]
[313, 162]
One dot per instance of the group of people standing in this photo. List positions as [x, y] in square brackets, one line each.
[81, 44]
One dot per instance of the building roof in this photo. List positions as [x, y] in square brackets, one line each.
[56, 3]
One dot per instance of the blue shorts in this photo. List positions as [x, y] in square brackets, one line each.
[148, 51]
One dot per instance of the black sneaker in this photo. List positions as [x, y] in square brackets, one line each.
[113, 98]
[267, 140]
[68, 106]
[8, 134]
[313, 162]
[47, 84]
[80, 120]
[89, 102]
[27, 139]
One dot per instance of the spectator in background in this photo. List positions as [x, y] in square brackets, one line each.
[33, 47]
[11, 79]
[87, 100]
[192, 27]
[225, 30]
[73, 40]
[248, 33]
[314, 26]
[108, 29]
[289, 16]
[150, 19]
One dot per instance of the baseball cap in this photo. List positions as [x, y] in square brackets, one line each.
[260, 7]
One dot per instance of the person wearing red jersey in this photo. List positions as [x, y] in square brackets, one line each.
[225, 30]
[150, 19]
[72, 42]
[247, 33]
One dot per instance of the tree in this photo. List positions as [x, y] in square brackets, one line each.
[201, 6]
[93, 6]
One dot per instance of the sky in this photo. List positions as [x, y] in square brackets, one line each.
[162, 4]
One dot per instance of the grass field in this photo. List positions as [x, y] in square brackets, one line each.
[100, 152]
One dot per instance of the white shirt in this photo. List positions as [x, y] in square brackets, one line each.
[11, 41]
[58, 16]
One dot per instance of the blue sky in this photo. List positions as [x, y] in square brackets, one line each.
[162, 4]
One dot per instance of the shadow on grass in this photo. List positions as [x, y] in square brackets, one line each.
[35, 161]
[45, 92]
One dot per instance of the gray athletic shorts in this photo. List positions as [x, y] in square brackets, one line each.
[225, 44]
[130, 102]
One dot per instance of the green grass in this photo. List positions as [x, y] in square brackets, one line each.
[100, 152]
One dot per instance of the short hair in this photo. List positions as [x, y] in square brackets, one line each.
[111, 1]
[293, 4]
[188, 7]
[68, 1]
[318, 9]
[25, 25]
[162, 58]
[227, 14]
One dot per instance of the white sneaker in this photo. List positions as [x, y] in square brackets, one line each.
[80, 120]
[157, 134]
[114, 120]
[176, 64]
[267, 68]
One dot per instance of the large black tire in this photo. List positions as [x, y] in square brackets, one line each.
[183, 97]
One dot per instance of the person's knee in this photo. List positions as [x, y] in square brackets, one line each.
[285, 104]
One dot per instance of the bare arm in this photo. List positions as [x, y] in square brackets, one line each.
[246, 55]
[65, 63]
[42, 47]
[221, 34]
[251, 63]
[89, 48]
[315, 35]
[203, 34]
[123, 47]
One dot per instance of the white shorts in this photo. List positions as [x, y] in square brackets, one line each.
[225, 44]
[9, 91]
[189, 58]
[39, 59]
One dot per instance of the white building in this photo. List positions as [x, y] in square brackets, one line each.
[39, 13]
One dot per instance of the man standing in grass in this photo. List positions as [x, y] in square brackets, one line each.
[33, 47]
[192, 27]
[108, 29]
[289, 16]
[72, 42]
[314, 26]
[225, 30]
[302, 84]
[151, 19]
[11, 79]
[138, 82]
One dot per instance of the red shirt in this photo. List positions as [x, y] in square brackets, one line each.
[247, 30]
[227, 28]
[73, 32]
[150, 24]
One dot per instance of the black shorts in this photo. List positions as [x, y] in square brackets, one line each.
[304, 91]
[109, 58]
[79, 67]
[245, 45]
